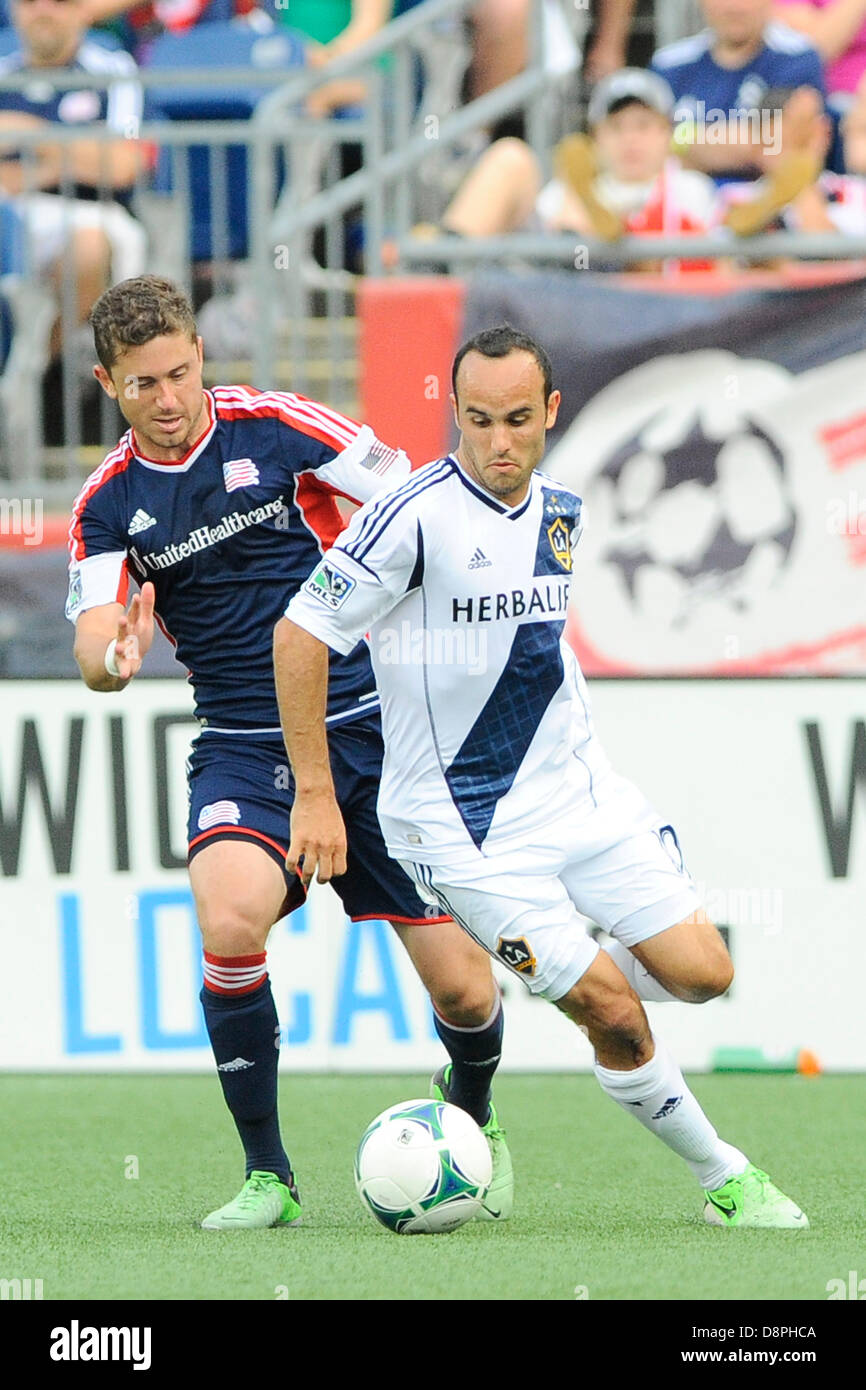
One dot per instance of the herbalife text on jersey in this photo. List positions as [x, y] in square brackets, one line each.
[421, 646]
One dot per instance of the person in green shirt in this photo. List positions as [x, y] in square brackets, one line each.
[334, 28]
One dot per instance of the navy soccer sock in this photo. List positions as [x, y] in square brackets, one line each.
[474, 1054]
[244, 1034]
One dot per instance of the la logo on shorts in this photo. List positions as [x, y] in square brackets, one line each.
[517, 954]
[329, 586]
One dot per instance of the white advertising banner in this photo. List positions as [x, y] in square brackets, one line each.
[765, 782]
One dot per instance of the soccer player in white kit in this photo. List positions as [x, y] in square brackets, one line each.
[496, 796]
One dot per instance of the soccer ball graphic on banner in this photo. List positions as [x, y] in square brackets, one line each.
[703, 517]
[422, 1167]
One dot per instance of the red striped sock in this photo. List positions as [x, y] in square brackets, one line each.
[234, 974]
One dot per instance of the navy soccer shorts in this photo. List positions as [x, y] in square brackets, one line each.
[240, 787]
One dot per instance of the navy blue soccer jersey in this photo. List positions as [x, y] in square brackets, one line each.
[227, 534]
[119, 106]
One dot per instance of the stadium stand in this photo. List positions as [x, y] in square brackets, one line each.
[216, 177]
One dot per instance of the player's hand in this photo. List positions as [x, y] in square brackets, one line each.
[135, 633]
[318, 837]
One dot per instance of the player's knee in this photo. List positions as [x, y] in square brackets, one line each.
[620, 1019]
[514, 156]
[605, 1010]
[716, 975]
[231, 934]
[466, 1005]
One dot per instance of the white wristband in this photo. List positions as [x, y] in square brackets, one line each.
[111, 659]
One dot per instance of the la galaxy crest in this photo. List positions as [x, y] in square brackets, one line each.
[560, 529]
[517, 954]
[559, 535]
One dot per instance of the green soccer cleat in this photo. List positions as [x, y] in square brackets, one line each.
[499, 1202]
[750, 1199]
[262, 1201]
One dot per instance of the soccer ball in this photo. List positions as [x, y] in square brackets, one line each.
[422, 1167]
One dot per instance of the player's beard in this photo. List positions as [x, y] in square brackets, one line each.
[195, 428]
[503, 485]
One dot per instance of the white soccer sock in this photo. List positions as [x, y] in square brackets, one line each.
[645, 985]
[657, 1095]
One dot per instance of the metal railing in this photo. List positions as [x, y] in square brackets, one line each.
[275, 260]
[566, 250]
[404, 129]
[295, 268]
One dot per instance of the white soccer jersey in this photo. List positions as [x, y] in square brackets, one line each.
[487, 728]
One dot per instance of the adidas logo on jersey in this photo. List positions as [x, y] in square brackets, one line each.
[479, 560]
[239, 1064]
[140, 522]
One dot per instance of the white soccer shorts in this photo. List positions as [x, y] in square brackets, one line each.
[523, 905]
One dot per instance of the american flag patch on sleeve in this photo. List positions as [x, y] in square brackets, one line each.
[380, 457]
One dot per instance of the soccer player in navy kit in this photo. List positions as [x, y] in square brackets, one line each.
[218, 503]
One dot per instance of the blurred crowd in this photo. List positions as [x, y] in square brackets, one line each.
[755, 121]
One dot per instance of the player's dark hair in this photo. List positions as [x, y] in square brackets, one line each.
[499, 342]
[135, 311]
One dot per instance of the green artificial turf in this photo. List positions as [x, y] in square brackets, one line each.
[600, 1205]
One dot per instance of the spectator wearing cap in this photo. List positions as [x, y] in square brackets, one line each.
[720, 78]
[92, 228]
[620, 179]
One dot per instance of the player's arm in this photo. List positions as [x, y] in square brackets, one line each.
[107, 638]
[318, 835]
[109, 642]
[342, 455]
[354, 585]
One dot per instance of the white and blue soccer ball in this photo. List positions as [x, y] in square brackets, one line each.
[423, 1167]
